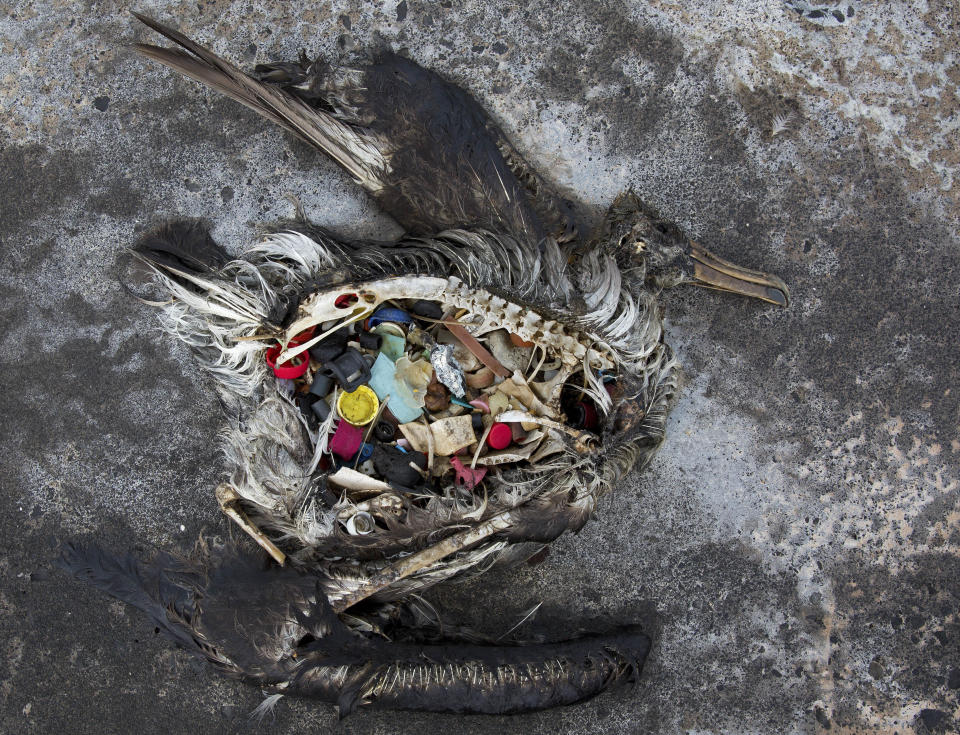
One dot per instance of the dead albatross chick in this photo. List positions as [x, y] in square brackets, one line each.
[431, 406]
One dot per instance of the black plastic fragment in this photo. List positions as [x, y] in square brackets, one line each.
[350, 369]
[393, 465]
[370, 341]
[427, 309]
[321, 409]
[321, 385]
[305, 404]
[331, 347]
[384, 431]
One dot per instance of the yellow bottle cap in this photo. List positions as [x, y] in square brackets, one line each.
[358, 407]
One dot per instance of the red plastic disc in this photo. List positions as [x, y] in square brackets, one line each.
[500, 436]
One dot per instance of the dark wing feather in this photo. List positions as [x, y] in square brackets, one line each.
[272, 626]
[359, 154]
[422, 146]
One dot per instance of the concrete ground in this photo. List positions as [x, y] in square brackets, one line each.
[794, 547]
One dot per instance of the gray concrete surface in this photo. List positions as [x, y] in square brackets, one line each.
[794, 548]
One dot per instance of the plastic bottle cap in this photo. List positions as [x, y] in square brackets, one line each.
[289, 370]
[500, 436]
[365, 453]
[359, 406]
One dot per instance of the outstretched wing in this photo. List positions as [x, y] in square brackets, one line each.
[360, 154]
[272, 627]
[422, 146]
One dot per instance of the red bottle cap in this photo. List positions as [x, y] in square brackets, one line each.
[500, 436]
[290, 369]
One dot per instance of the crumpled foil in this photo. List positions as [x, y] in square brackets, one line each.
[448, 369]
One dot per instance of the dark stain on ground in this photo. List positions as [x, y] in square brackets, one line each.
[37, 181]
[905, 626]
[629, 113]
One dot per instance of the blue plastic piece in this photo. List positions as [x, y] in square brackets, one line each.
[365, 453]
[389, 314]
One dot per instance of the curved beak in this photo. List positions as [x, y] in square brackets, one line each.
[709, 271]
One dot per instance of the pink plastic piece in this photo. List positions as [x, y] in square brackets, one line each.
[346, 440]
[466, 478]
[482, 405]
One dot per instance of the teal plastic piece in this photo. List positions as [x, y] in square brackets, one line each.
[391, 345]
[383, 380]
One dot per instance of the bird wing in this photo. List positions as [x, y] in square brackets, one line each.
[271, 626]
[360, 153]
[451, 166]
[422, 146]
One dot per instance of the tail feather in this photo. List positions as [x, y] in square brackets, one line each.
[182, 246]
[145, 587]
[361, 154]
[273, 627]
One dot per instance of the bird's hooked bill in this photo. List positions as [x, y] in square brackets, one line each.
[711, 271]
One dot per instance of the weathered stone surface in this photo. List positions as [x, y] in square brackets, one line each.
[794, 548]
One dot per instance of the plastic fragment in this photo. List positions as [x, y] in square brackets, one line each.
[346, 440]
[369, 341]
[359, 483]
[321, 409]
[466, 477]
[507, 456]
[479, 351]
[391, 345]
[427, 309]
[331, 347]
[513, 358]
[394, 465]
[437, 398]
[321, 385]
[448, 370]
[449, 435]
[389, 314]
[482, 378]
[398, 396]
[384, 431]
[416, 374]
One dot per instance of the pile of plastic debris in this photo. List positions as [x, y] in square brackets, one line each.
[408, 402]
